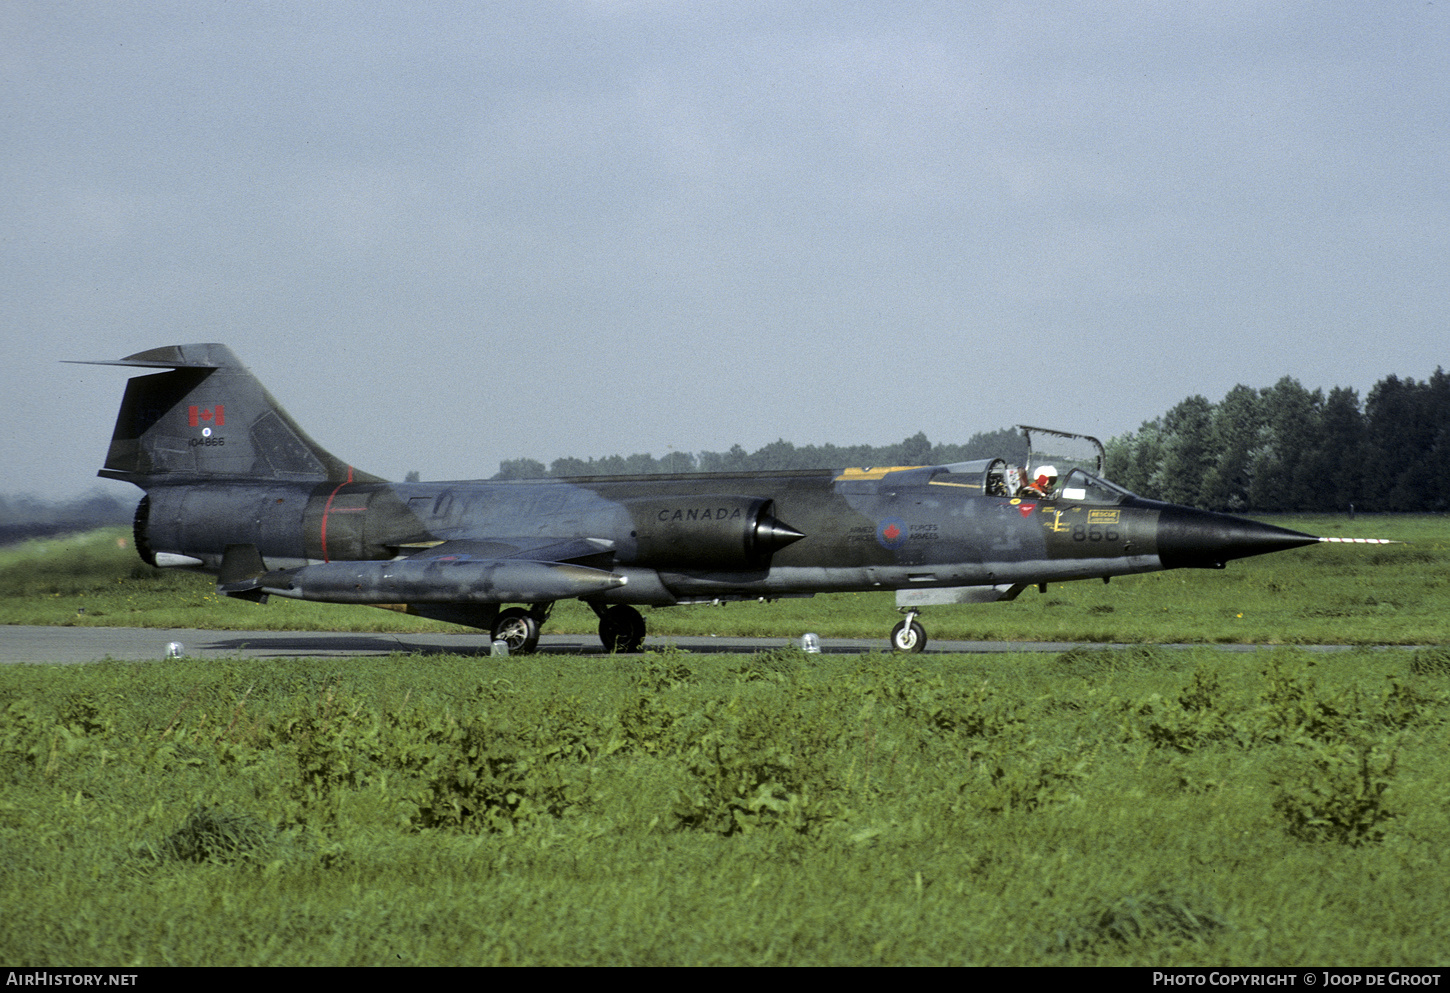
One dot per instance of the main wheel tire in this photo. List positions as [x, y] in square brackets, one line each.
[621, 629]
[908, 638]
[516, 628]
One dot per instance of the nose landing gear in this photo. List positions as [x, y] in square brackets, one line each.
[908, 636]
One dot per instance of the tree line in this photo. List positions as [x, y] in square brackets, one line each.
[1285, 448]
[23, 517]
[1278, 449]
[779, 455]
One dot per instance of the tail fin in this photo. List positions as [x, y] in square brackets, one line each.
[209, 418]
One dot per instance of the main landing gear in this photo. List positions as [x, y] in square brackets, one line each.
[908, 636]
[621, 628]
[519, 628]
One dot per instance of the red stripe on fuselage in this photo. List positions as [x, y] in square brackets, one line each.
[327, 509]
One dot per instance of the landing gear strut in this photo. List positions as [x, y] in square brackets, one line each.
[908, 636]
[621, 628]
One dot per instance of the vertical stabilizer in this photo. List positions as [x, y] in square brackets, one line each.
[209, 417]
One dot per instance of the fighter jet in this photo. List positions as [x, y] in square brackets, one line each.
[235, 488]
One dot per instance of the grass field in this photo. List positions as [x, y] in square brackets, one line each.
[1324, 594]
[1133, 806]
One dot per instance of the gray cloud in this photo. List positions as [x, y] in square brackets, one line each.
[450, 234]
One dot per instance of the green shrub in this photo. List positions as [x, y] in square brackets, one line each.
[647, 725]
[22, 733]
[1150, 920]
[778, 665]
[754, 768]
[209, 835]
[1175, 726]
[1338, 794]
[664, 670]
[1431, 661]
[943, 708]
[488, 782]
[1027, 776]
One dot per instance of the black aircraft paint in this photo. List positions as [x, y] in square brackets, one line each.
[234, 487]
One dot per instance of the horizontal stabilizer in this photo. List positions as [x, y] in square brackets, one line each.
[243, 574]
[205, 356]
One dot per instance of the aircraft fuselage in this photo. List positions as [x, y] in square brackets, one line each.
[690, 538]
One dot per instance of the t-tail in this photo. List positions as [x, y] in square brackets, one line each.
[209, 419]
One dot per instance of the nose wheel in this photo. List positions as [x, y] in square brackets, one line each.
[908, 636]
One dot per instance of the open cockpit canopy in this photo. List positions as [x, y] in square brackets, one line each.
[1062, 450]
[1060, 465]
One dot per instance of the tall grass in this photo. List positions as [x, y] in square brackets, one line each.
[1136, 806]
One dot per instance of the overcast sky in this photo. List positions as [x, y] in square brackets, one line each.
[448, 234]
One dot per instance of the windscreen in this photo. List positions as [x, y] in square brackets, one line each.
[1083, 487]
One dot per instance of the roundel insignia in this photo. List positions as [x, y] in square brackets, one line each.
[891, 533]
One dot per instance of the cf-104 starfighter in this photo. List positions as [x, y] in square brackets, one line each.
[235, 488]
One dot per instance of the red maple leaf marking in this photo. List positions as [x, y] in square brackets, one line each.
[195, 415]
[891, 533]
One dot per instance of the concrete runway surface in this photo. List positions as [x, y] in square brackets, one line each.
[69, 645]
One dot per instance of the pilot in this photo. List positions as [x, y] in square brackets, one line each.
[1045, 483]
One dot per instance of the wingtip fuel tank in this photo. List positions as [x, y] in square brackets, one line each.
[443, 579]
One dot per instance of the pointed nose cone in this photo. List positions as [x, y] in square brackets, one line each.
[1200, 539]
